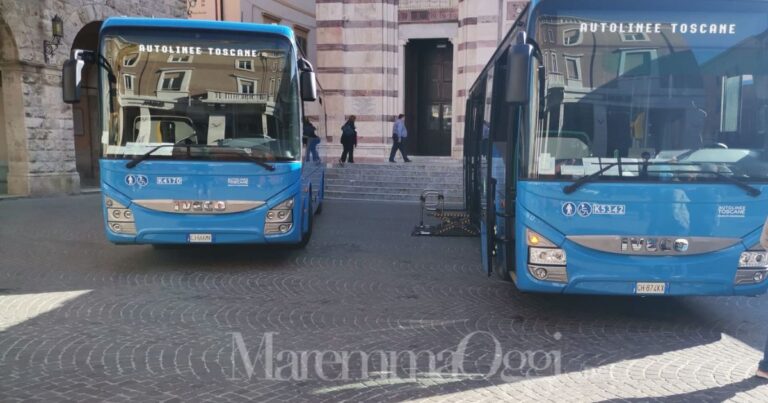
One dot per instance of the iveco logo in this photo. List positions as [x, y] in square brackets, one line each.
[199, 206]
[652, 245]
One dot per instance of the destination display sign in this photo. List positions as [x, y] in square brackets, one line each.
[198, 50]
[658, 27]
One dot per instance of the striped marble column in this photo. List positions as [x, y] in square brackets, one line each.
[358, 66]
[482, 25]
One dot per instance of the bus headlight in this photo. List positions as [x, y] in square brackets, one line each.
[120, 218]
[546, 262]
[279, 219]
[547, 256]
[753, 267]
[753, 259]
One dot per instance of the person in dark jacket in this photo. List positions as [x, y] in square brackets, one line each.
[348, 141]
[311, 140]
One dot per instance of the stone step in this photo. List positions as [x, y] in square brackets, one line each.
[395, 176]
[414, 182]
[387, 184]
[394, 188]
[385, 181]
[452, 200]
[398, 167]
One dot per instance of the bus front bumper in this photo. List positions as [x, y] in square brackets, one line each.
[596, 273]
[247, 227]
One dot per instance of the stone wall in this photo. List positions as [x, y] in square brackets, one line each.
[38, 126]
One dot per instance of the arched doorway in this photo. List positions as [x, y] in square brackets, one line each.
[85, 114]
[8, 58]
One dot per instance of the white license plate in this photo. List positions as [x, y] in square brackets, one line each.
[651, 288]
[200, 238]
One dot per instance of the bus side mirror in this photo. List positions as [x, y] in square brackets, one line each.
[308, 86]
[519, 61]
[308, 81]
[71, 77]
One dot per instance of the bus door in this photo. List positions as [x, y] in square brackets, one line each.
[503, 184]
[472, 172]
[487, 183]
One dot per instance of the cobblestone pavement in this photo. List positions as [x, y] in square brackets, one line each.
[365, 313]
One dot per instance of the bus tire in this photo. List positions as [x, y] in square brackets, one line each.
[501, 269]
[306, 237]
[320, 197]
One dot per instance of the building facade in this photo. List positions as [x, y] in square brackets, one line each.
[297, 14]
[46, 146]
[375, 59]
[380, 58]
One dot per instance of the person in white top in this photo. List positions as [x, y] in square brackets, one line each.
[399, 134]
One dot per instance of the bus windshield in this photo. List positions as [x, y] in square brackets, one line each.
[653, 90]
[205, 91]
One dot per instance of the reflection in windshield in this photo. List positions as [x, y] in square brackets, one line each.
[221, 92]
[684, 88]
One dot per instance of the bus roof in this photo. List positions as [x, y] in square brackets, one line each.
[126, 22]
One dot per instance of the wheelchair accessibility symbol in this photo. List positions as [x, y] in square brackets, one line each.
[584, 210]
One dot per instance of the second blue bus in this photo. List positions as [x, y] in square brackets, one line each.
[616, 147]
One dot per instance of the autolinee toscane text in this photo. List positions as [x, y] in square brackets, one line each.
[198, 50]
[656, 27]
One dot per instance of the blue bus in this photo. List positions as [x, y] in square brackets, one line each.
[621, 148]
[202, 132]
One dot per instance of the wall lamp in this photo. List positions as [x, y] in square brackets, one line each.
[57, 29]
[190, 5]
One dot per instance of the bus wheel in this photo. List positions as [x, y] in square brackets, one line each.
[500, 266]
[321, 196]
[305, 237]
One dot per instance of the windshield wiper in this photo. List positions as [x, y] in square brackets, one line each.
[751, 190]
[586, 179]
[258, 161]
[137, 160]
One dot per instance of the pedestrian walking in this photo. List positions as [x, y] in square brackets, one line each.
[311, 140]
[762, 368]
[399, 134]
[348, 141]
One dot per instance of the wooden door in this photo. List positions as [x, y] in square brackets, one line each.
[435, 101]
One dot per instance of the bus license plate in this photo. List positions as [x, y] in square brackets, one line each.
[651, 288]
[200, 238]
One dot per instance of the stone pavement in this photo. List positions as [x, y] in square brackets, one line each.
[364, 313]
